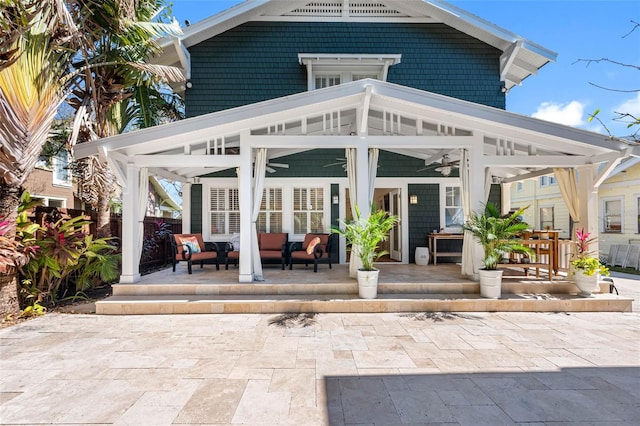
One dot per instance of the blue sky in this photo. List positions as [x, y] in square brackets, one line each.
[574, 29]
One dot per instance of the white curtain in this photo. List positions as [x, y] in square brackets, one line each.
[143, 199]
[350, 153]
[487, 184]
[374, 153]
[259, 170]
[569, 189]
[467, 242]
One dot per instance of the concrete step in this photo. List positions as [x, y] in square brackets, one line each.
[342, 303]
[400, 288]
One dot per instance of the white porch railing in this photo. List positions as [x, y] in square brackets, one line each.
[564, 254]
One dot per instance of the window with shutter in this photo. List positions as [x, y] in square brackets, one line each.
[308, 210]
[270, 217]
[224, 210]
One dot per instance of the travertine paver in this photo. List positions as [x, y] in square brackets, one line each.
[335, 369]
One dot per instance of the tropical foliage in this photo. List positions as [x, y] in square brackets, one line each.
[366, 234]
[497, 235]
[584, 260]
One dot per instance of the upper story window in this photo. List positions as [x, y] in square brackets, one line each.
[612, 214]
[547, 180]
[325, 70]
[61, 171]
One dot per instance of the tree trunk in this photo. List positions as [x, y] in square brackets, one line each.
[103, 216]
[9, 290]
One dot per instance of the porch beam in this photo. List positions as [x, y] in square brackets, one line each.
[164, 173]
[366, 102]
[116, 167]
[526, 176]
[206, 161]
[507, 58]
[608, 168]
[382, 142]
[536, 160]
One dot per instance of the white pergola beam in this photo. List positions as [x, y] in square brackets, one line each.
[204, 161]
[535, 161]
[382, 142]
[164, 173]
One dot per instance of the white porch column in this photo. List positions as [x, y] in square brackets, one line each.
[186, 207]
[362, 179]
[477, 197]
[130, 228]
[505, 189]
[245, 193]
[588, 195]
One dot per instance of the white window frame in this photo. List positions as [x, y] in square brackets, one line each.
[444, 206]
[547, 181]
[46, 200]
[553, 215]
[60, 163]
[349, 67]
[267, 211]
[206, 220]
[604, 228]
[286, 185]
[326, 208]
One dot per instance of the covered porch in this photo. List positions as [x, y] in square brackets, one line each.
[362, 118]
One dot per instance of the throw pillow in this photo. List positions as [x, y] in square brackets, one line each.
[192, 243]
[312, 245]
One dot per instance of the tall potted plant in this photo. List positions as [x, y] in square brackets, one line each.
[498, 236]
[364, 235]
[587, 268]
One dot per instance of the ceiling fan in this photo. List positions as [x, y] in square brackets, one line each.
[271, 167]
[445, 166]
[339, 162]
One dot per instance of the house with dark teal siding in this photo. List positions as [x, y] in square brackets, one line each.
[298, 111]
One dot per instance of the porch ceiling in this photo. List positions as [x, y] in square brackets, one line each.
[362, 113]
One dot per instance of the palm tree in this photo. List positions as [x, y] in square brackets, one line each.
[110, 100]
[47, 50]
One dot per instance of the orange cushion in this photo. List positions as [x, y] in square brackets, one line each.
[192, 243]
[272, 241]
[312, 245]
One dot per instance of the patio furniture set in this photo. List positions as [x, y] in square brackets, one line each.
[273, 247]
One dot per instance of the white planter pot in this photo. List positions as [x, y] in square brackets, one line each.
[585, 283]
[368, 284]
[490, 283]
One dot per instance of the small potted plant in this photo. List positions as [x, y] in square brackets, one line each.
[364, 235]
[586, 268]
[498, 237]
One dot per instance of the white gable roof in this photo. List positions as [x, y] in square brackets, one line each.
[396, 118]
[520, 59]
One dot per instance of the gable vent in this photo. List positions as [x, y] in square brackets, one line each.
[336, 9]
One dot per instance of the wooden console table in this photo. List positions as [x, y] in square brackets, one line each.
[433, 246]
[544, 250]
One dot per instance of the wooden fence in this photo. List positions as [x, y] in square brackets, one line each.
[156, 258]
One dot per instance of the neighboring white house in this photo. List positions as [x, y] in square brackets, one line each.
[618, 205]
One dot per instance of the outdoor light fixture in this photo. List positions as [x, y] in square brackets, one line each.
[445, 170]
[413, 199]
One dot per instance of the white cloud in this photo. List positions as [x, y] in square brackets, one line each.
[568, 114]
[632, 106]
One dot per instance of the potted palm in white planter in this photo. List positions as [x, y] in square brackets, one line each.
[498, 237]
[365, 234]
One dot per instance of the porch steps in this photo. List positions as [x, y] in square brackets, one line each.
[141, 299]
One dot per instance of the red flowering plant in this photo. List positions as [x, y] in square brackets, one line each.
[584, 259]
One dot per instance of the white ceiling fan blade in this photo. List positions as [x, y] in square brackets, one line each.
[270, 170]
[281, 165]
